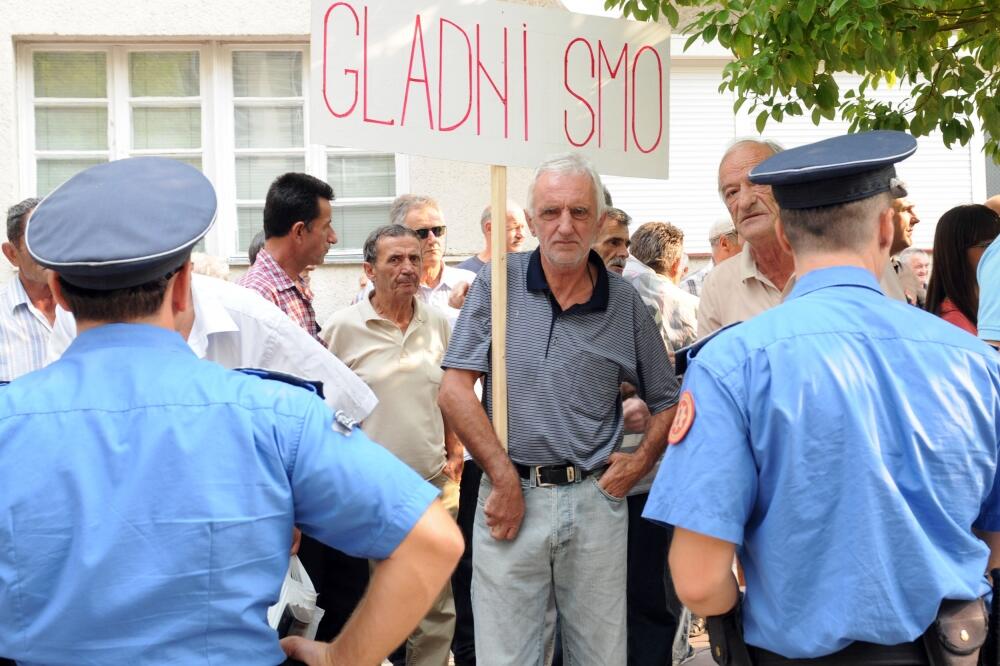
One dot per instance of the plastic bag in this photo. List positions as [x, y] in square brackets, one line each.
[296, 613]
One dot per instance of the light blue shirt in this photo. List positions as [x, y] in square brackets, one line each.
[847, 443]
[24, 332]
[147, 500]
[988, 318]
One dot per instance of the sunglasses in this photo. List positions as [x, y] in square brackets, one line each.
[423, 233]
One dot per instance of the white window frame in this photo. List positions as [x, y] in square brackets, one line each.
[218, 151]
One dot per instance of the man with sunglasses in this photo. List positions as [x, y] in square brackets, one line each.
[438, 281]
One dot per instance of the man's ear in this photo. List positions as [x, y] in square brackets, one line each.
[369, 272]
[886, 229]
[180, 296]
[298, 230]
[783, 243]
[10, 252]
[530, 222]
[52, 278]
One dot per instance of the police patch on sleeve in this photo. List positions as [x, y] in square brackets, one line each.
[683, 419]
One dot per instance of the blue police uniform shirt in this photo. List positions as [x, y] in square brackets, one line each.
[847, 444]
[147, 500]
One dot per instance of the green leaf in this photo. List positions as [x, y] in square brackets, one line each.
[815, 116]
[805, 9]
[691, 40]
[671, 13]
[835, 7]
[761, 121]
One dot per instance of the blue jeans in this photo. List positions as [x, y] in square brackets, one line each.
[572, 543]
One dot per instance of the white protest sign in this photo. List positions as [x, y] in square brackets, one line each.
[491, 82]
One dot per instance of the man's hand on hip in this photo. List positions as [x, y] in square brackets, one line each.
[624, 471]
[504, 509]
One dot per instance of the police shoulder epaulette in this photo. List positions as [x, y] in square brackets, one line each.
[309, 385]
[684, 355]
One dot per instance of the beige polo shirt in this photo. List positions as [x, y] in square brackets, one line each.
[734, 291]
[404, 371]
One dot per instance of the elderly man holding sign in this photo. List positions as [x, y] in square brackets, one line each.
[551, 515]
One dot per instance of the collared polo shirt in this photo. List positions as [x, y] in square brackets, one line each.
[564, 368]
[735, 291]
[403, 368]
[850, 495]
[24, 332]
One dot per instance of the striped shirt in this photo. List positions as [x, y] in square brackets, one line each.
[294, 297]
[564, 368]
[24, 332]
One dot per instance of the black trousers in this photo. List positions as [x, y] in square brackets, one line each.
[340, 580]
[463, 645]
[653, 607]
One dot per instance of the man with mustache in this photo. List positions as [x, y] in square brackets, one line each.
[613, 242]
[395, 343]
[758, 277]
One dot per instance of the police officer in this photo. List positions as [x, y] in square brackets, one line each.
[147, 497]
[800, 444]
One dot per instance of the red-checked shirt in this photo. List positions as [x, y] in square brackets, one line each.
[294, 297]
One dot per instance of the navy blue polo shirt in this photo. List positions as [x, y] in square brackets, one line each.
[564, 367]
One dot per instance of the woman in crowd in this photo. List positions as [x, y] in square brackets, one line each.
[962, 235]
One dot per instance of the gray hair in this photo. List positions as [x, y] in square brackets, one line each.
[569, 163]
[911, 251]
[848, 226]
[721, 227]
[742, 142]
[17, 215]
[370, 249]
[488, 213]
[404, 203]
[619, 216]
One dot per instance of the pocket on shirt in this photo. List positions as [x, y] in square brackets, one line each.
[593, 382]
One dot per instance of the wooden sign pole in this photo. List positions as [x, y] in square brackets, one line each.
[498, 275]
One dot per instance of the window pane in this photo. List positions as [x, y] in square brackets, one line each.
[362, 175]
[70, 74]
[166, 127]
[255, 174]
[164, 74]
[52, 173]
[83, 128]
[269, 127]
[354, 223]
[267, 74]
[250, 220]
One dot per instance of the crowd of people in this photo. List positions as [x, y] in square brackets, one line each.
[755, 419]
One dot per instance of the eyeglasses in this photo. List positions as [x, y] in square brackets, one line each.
[982, 244]
[423, 233]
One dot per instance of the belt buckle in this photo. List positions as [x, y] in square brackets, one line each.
[570, 476]
[538, 478]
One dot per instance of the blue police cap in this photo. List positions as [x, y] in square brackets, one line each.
[836, 171]
[122, 223]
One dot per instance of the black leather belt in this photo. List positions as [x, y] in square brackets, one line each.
[555, 475]
[858, 652]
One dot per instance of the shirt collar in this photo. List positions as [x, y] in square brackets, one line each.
[281, 279]
[836, 276]
[210, 316]
[128, 336]
[535, 281]
[368, 312]
[449, 277]
[16, 295]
